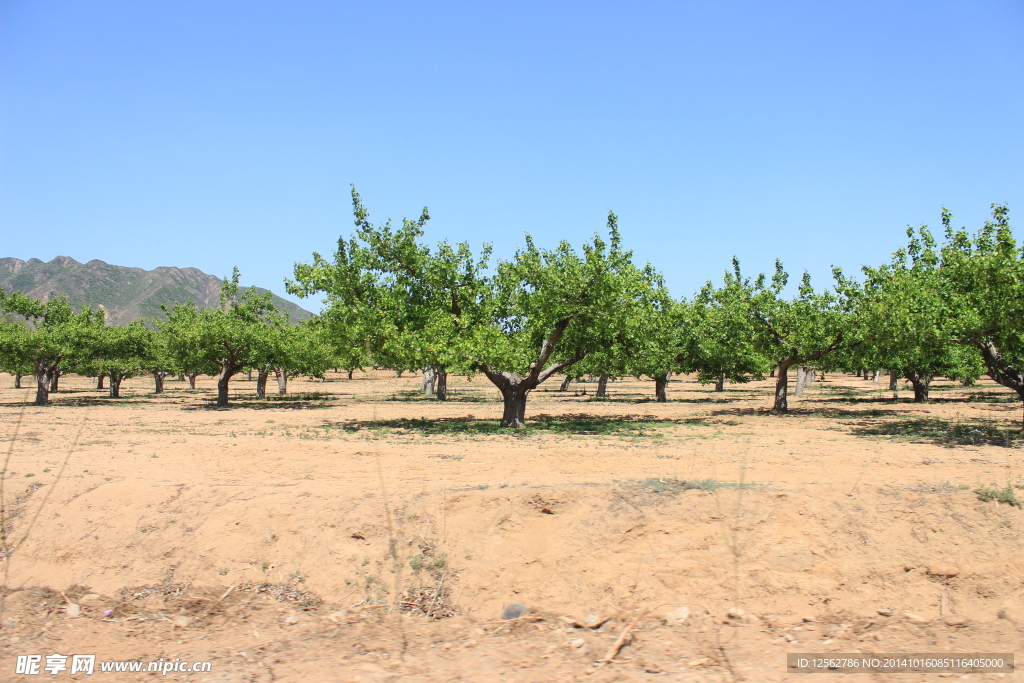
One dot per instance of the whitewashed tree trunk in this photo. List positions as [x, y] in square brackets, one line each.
[429, 377]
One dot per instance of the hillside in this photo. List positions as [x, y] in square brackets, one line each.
[127, 294]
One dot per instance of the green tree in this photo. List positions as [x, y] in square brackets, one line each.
[907, 324]
[290, 350]
[54, 335]
[794, 331]
[650, 345]
[540, 313]
[397, 301]
[721, 339]
[14, 361]
[120, 353]
[222, 340]
[161, 361]
[182, 332]
[982, 287]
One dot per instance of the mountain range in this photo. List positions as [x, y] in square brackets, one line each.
[126, 294]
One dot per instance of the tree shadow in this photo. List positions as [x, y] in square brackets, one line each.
[839, 413]
[574, 424]
[943, 432]
[634, 400]
[414, 396]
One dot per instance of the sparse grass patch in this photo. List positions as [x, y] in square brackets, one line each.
[670, 486]
[1007, 494]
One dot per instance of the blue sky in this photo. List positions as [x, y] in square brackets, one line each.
[212, 134]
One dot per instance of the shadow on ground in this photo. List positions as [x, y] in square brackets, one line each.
[627, 425]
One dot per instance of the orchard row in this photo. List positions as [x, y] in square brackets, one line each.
[953, 307]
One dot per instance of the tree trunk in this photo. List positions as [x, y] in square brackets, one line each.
[602, 386]
[249, 374]
[893, 380]
[222, 382]
[55, 380]
[720, 382]
[772, 373]
[1001, 370]
[514, 414]
[115, 384]
[798, 390]
[350, 370]
[442, 383]
[398, 374]
[968, 381]
[515, 388]
[661, 387]
[192, 380]
[565, 383]
[99, 380]
[427, 385]
[921, 385]
[877, 375]
[17, 380]
[810, 376]
[42, 381]
[158, 378]
[282, 381]
[261, 382]
[782, 388]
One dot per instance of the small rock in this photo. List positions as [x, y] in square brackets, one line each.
[677, 616]
[108, 613]
[73, 610]
[577, 642]
[291, 619]
[89, 597]
[182, 621]
[514, 611]
[735, 613]
[338, 615]
[886, 611]
[916, 618]
[956, 621]
[9, 623]
[470, 643]
[807, 619]
[592, 621]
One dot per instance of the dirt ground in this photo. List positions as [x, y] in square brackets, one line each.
[355, 530]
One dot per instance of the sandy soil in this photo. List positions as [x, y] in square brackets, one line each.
[271, 537]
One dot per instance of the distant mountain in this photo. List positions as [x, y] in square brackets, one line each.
[127, 294]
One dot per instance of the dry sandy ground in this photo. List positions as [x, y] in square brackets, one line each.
[270, 538]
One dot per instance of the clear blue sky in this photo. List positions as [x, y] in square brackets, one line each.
[210, 134]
